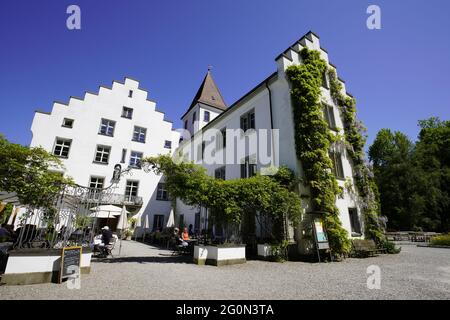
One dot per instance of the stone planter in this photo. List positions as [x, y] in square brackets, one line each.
[264, 251]
[38, 266]
[219, 255]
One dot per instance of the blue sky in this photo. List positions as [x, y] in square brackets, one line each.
[398, 74]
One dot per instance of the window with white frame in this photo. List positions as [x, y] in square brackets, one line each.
[168, 144]
[139, 134]
[328, 112]
[161, 192]
[130, 94]
[248, 121]
[135, 159]
[107, 127]
[206, 116]
[62, 147]
[131, 189]
[127, 113]
[96, 182]
[194, 116]
[248, 169]
[158, 222]
[338, 168]
[102, 154]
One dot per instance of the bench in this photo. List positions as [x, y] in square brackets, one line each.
[365, 248]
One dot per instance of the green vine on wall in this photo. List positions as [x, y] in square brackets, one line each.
[312, 141]
[365, 184]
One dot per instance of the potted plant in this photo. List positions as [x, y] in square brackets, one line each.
[128, 234]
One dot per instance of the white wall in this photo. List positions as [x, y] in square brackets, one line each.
[87, 114]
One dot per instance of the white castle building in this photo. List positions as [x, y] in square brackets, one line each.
[119, 125]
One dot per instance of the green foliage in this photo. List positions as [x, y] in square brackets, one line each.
[390, 247]
[312, 141]
[229, 200]
[82, 221]
[414, 179]
[6, 213]
[355, 137]
[443, 240]
[279, 251]
[30, 172]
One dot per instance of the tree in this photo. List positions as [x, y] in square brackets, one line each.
[229, 201]
[31, 173]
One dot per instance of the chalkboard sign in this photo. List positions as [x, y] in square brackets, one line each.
[70, 262]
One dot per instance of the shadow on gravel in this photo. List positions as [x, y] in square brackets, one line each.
[158, 259]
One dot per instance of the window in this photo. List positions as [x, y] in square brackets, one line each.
[220, 173]
[194, 117]
[131, 190]
[354, 221]
[325, 80]
[135, 159]
[213, 98]
[139, 134]
[107, 127]
[181, 221]
[62, 147]
[124, 155]
[130, 94]
[206, 116]
[158, 222]
[248, 169]
[328, 112]
[102, 154]
[201, 151]
[185, 124]
[161, 192]
[221, 139]
[338, 169]
[168, 144]
[127, 113]
[248, 121]
[96, 182]
[67, 123]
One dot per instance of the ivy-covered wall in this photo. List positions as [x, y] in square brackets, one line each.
[312, 142]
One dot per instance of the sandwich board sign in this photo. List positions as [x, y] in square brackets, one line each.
[321, 236]
[70, 263]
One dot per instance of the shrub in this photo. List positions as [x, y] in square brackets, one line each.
[443, 240]
[390, 247]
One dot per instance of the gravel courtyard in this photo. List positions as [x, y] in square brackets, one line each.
[146, 272]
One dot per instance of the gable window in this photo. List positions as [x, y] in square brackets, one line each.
[248, 121]
[248, 169]
[158, 222]
[206, 116]
[130, 94]
[107, 127]
[194, 116]
[338, 169]
[124, 155]
[325, 80]
[185, 124]
[131, 190]
[328, 112]
[135, 159]
[96, 182]
[220, 173]
[67, 123]
[62, 147]
[139, 134]
[161, 192]
[354, 221]
[102, 154]
[168, 144]
[127, 113]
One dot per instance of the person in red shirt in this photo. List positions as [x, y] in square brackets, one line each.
[185, 234]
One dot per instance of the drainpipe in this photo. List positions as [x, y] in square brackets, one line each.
[271, 119]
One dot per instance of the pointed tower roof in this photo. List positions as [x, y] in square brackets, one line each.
[208, 94]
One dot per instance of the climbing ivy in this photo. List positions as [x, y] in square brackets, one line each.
[312, 141]
[363, 177]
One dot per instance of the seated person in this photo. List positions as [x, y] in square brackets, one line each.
[178, 238]
[185, 234]
[106, 235]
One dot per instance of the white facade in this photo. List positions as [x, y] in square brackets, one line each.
[269, 105]
[85, 136]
